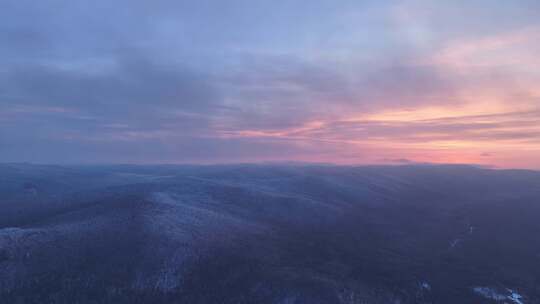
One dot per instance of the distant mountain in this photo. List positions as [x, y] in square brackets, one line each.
[271, 233]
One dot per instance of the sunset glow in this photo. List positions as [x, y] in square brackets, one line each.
[374, 83]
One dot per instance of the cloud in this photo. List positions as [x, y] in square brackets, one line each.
[238, 80]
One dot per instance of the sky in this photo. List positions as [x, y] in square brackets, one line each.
[346, 82]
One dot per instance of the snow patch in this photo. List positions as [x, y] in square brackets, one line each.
[493, 294]
[425, 285]
[514, 296]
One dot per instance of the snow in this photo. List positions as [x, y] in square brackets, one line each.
[493, 294]
[489, 293]
[425, 285]
[454, 243]
[514, 296]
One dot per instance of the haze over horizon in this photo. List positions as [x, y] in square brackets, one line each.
[343, 82]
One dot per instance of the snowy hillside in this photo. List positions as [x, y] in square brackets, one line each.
[268, 234]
